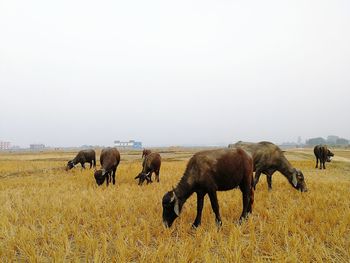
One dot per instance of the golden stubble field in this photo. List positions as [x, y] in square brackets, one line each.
[48, 214]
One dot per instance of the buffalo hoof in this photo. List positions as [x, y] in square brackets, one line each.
[195, 225]
[242, 219]
[218, 223]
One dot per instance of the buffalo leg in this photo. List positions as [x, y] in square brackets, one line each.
[90, 164]
[317, 162]
[256, 180]
[148, 180]
[269, 181]
[215, 206]
[150, 176]
[113, 174]
[110, 176]
[82, 165]
[200, 202]
[157, 175]
[246, 201]
[107, 179]
[251, 200]
[324, 163]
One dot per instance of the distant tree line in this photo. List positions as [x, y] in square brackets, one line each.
[331, 140]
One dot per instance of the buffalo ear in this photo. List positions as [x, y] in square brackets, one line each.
[137, 177]
[294, 180]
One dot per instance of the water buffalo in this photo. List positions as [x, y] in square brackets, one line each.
[150, 164]
[146, 152]
[269, 158]
[323, 154]
[84, 156]
[206, 173]
[109, 159]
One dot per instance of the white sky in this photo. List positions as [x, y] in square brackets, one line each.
[173, 72]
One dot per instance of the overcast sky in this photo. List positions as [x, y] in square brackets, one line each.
[173, 72]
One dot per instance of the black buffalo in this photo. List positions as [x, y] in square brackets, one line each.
[206, 173]
[323, 154]
[84, 156]
[150, 164]
[269, 158]
[109, 159]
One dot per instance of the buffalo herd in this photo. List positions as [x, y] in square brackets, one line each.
[208, 172]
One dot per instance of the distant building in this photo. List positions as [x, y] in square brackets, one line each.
[5, 145]
[315, 141]
[332, 139]
[37, 147]
[128, 145]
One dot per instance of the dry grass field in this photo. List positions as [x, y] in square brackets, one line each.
[48, 214]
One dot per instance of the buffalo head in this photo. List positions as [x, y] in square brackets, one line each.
[142, 177]
[171, 208]
[70, 165]
[329, 155]
[297, 181]
[100, 176]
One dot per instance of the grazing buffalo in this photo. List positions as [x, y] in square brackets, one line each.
[84, 156]
[323, 154]
[150, 164]
[269, 158]
[109, 160]
[146, 152]
[206, 173]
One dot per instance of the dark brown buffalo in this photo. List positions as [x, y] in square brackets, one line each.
[151, 164]
[206, 173]
[323, 154]
[269, 158]
[84, 156]
[146, 152]
[109, 159]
